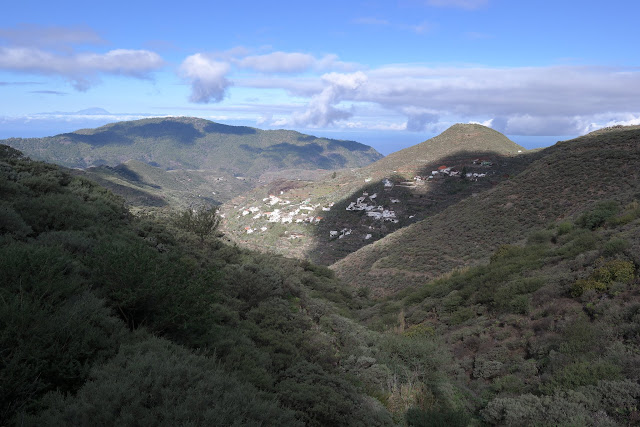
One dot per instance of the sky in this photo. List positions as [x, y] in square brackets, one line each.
[387, 73]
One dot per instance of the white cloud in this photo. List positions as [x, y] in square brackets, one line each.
[543, 100]
[418, 118]
[207, 78]
[50, 50]
[321, 110]
[519, 101]
[487, 123]
[82, 68]
[526, 124]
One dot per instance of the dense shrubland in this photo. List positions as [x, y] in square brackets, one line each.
[546, 333]
[113, 319]
[110, 318]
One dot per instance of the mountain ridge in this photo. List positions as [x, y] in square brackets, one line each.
[566, 178]
[193, 143]
[223, 160]
[399, 183]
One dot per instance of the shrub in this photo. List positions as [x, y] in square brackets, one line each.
[630, 213]
[437, 417]
[154, 382]
[564, 228]
[582, 374]
[615, 246]
[528, 410]
[598, 216]
[602, 278]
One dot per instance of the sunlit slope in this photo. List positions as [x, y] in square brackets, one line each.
[566, 178]
[318, 220]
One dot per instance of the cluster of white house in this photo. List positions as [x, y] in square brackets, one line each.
[373, 211]
[303, 212]
[445, 171]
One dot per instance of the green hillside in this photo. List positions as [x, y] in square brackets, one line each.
[183, 161]
[147, 187]
[193, 143]
[564, 179]
[111, 319]
[466, 148]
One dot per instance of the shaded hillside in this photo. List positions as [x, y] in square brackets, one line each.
[192, 143]
[564, 179]
[107, 318]
[401, 186]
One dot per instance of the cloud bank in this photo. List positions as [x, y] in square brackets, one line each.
[519, 101]
[50, 51]
[80, 69]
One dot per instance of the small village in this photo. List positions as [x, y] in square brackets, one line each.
[281, 211]
[384, 206]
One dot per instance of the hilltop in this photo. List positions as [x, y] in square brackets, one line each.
[561, 180]
[327, 219]
[228, 160]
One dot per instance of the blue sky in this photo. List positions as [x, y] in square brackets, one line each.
[388, 73]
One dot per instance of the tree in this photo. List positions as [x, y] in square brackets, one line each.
[202, 221]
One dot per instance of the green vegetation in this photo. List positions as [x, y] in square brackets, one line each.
[520, 306]
[545, 333]
[110, 318]
[202, 221]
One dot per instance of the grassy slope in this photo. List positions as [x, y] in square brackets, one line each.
[566, 178]
[458, 146]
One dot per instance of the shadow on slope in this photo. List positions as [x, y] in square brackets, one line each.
[570, 177]
[230, 130]
[99, 139]
[183, 133]
[395, 202]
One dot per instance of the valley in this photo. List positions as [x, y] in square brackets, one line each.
[462, 281]
[342, 209]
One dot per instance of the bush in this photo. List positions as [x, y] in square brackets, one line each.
[579, 374]
[615, 246]
[602, 278]
[154, 382]
[436, 418]
[52, 332]
[564, 228]
[597, 217]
